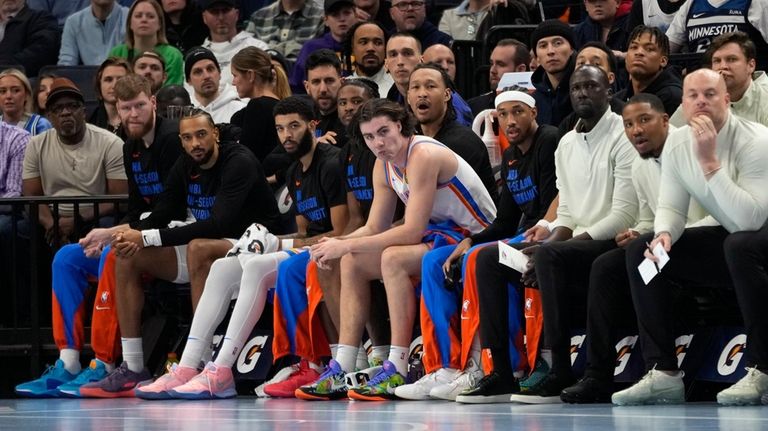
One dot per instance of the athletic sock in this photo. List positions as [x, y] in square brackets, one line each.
[316, 367]
[193, 352]
[346, 357]
[398, 355]
[334, 349]
[380, 353]
[71, 360]
[133, 353]
[362, 358]
[476, 351]
[546, 356]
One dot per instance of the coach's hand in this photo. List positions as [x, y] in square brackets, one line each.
[459, 251]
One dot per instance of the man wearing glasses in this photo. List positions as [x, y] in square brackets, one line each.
[410, 16]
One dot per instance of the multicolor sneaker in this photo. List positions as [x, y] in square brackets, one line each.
[329, 386]
[280, 376]
[303, 376]
[120, 383]
[540, 370]
[747, 391]
[381, 387]
[45, 386]
[361, 377]
[213, 383]
[159, 389]
[96, 371]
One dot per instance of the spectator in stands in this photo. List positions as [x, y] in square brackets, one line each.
[151, 65]
[603, 24]
[225, 41]
[208, 92]
[379, 251]
[13, 141]
[171, 95]
[528, 174]
[90, 33]
[44, 82]
[287, 24]
[106, 115]
[223, 186]
[184, 27]
[256, 79]
[553, 42]
[732, 55]
[317, 185]
[609, 301]
[72, 159]
[646, 63]
[278, 60]
[718, 161]
[339, 17]
[698, 22]
[322, 85]
[60, 10]
[509, 55]
[591, 210]
[599, 55]
[16, 108]
[145, 31]
[367, 44]
[152, 147]
[463, 21]
[375, 11]
[411, 16]
[29, 38]
[403, 54]
[443, 57]
[653, 13]
[429, 98]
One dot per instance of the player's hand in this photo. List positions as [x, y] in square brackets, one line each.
[665, 239]
[528, 278]
[327, 250]
[624, 238]
[98, 236]
[126, 243]
[459, 251]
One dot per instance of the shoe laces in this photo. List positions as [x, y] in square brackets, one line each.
[750, 379]
[328, 373]
[380, 377]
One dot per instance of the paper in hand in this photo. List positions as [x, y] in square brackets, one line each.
[512, 258]
[648, 269]
[660, 253]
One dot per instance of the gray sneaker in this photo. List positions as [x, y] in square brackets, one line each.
[655, 387]
[119, 383]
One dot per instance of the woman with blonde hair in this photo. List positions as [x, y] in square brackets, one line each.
[16, 103]
[145, 31]
[254, 77]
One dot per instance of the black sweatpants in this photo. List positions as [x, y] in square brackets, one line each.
[563, 271]
[696, 260]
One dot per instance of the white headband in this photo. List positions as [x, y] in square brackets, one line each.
[515, 96]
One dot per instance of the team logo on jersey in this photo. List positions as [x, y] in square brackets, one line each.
[251, 353]
[576, 342]
[103, 303]
[682, 343]
[104, 297]
[623, 352]
[528, 304]
[465, 309]
[731, 355]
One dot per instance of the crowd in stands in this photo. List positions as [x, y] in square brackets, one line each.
[610, 163]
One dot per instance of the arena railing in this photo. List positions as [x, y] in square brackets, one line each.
[28, 260]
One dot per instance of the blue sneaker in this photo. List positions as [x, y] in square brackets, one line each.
[96, 371]
[45, 386]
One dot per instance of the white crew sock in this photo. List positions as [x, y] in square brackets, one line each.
[380, 353]
[362, 358]
[346, 357]
[334, 349]
[133, 353]
[398, 355]
[546, 355]
[475, 351]
[71, 360]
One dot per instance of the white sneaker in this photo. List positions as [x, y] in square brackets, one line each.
[281, 376]
[419, 390]
[463, 381]
[746, 391]
[656, 387]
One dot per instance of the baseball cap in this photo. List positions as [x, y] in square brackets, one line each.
[207, 4]
[330, 5]
[64, 87]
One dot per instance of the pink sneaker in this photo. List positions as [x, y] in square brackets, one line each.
[158, 390]
[302, 376]
[212, 383]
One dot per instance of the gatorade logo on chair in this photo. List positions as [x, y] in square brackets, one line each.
[623, 353]
[731, 355]
[682, 343]
[250, 354]
[576, 342]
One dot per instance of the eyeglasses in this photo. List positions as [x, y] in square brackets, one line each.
[60, 107]
[404, 6]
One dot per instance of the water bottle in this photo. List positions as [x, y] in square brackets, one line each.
[172, 359]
